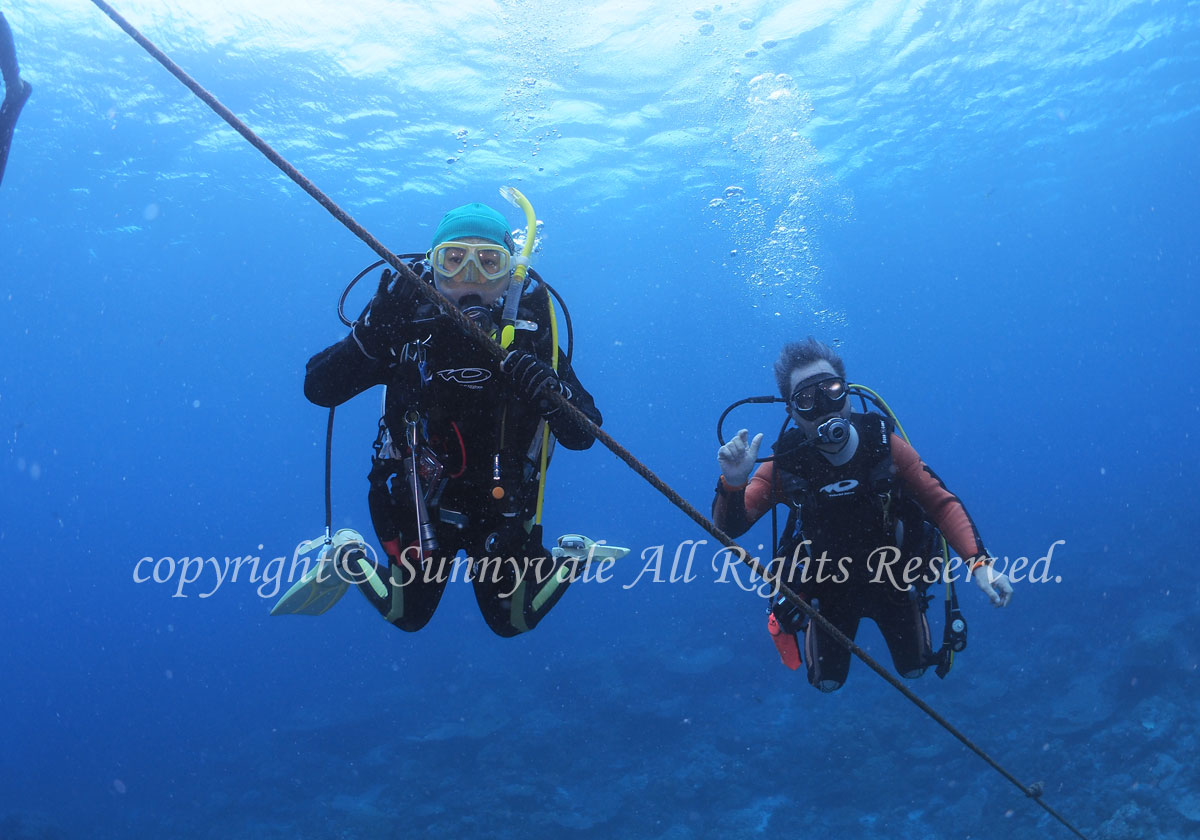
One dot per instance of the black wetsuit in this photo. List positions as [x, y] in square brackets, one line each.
[473, 423]
[16, 91]
[844, 511]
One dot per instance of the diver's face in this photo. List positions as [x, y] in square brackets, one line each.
[467, 281]
[814, 370]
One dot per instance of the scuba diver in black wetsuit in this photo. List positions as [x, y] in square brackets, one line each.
[16, 91]
[464, 441]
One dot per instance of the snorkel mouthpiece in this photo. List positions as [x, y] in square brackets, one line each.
[835, 431]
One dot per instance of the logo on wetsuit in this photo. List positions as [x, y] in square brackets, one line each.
[470, 377]
[840, 488]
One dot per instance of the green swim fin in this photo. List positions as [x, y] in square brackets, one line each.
[321, 586]
[582, 548]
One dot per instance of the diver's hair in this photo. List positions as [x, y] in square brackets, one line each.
[800, 353]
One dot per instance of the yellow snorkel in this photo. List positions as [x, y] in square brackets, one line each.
[512, 298]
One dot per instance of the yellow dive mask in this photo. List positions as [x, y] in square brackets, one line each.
[479, 264]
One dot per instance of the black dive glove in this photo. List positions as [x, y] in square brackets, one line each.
[392, 306]
[533, 378]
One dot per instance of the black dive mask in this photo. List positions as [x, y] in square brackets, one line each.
[818, 395]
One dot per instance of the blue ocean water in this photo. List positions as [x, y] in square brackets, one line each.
[990, 208]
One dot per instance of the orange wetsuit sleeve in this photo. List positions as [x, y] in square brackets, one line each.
[943, 508]
[735, 509]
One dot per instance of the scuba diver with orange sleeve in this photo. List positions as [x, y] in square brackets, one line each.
[856, 491]
[464, 441]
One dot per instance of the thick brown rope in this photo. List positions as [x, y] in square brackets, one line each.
[481, 338]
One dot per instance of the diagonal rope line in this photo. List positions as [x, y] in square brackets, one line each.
[481, 338]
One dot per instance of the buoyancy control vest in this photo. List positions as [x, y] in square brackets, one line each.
[471, 436]
[849, 512]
